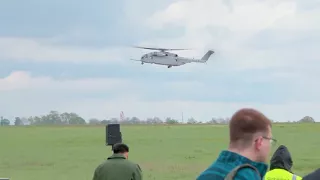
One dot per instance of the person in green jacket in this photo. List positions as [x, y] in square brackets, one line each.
[118, 167]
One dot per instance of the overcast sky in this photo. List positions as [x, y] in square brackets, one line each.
[74, 56]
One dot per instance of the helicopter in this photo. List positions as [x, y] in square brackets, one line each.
[163, 57]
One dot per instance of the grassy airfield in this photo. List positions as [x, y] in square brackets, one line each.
[164, 152]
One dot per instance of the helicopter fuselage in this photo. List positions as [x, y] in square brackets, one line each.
[162, 58]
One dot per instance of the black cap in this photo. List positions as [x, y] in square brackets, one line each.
[120, 148]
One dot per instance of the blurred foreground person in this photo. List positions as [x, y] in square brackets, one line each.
[249, 147]
[118, 167]
[280, 165]
[315, 175]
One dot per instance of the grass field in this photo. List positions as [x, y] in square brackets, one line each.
[177, 152]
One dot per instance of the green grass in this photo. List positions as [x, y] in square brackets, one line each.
[177, 152]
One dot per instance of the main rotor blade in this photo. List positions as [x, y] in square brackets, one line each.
[160, 49]
[135, 60]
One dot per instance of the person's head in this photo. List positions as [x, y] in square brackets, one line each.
[250, 134]
[121, 148]
[281, 159]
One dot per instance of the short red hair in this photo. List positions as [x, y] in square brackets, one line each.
[245, 123]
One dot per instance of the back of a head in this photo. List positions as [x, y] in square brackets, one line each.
[120, 148]
[281, 158]
[244, 124]
[117, 166]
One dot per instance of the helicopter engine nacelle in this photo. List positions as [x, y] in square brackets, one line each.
[161, 54]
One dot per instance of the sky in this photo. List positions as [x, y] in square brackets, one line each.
[74, 56]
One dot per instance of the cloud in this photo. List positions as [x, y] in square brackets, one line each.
[21, 80]
[36, 18]
[27, 95]
[248, 15]
[98, 32]
[44, 50]
[246, 35]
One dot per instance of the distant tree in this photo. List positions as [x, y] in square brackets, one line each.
[65, 118]
[157, 120]
[4, 122]
[213, 121]
[31, 120]
[76, 119]
[150, 121]
[55, 118]
[18, 121]
[171, 121]
[111, 121]
[114, 121]
[307, 119]
[191, 121]
[25, 121]
[94, 121]
[134, 120]
[105, 122]
[223, 120]
[38, 120]
[154, 120]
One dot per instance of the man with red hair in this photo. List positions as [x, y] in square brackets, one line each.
[249, 148]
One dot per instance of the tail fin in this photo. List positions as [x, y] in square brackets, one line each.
[207, 55]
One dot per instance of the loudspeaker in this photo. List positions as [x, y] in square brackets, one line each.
[113, 134]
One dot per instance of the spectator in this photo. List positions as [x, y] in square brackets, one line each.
[250, 140]
[280, 165]
[118, 166]
[315, 175]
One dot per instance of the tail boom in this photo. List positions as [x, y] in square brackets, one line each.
[205, 57]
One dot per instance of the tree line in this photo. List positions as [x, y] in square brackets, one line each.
[55, 118]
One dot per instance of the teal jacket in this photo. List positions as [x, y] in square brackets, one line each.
[117, 167]
[227, 161]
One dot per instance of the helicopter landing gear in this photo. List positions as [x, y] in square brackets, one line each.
[142, 63]
[169, 66]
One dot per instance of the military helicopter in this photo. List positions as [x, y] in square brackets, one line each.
[163, 57]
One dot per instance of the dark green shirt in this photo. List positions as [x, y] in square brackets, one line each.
[117, 167]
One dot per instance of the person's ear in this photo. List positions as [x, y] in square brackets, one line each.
[126, 154]
[258, 142]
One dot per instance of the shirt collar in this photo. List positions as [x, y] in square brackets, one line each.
[117, 156]
[237, 159]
